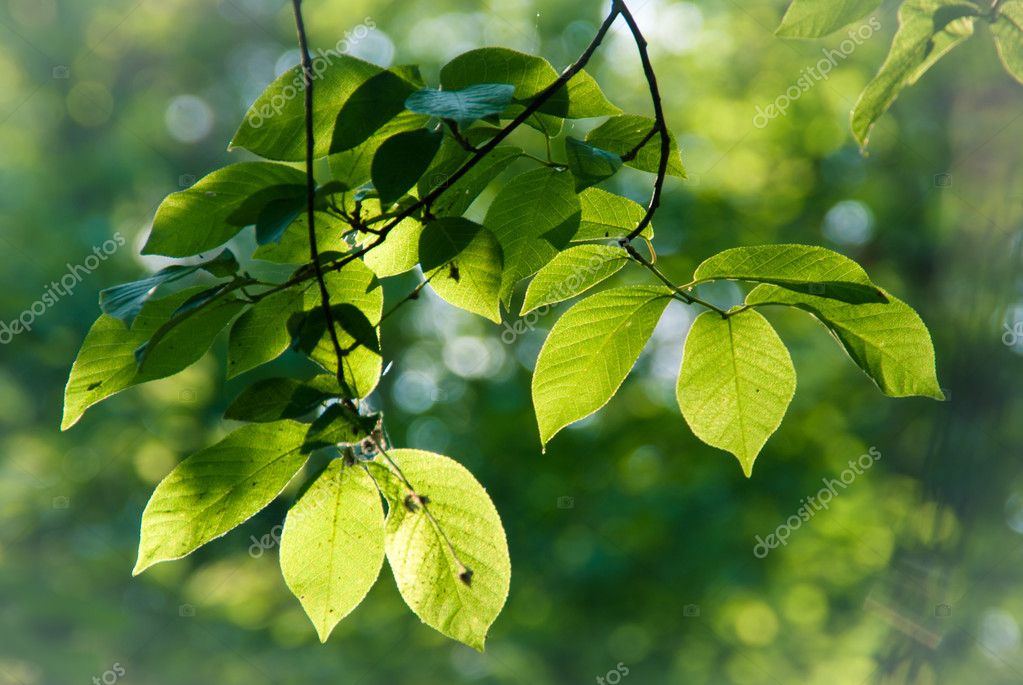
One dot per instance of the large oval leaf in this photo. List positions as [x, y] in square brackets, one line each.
[332, 547]
[590, 351]
[736, 382]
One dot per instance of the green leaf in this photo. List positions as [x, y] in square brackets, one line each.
[401, 160]
[927, 30]
[358, 302]
[818, 18]
[1007, 29]
[736, 382]
[590, 351]
[353, 167]
[463, 106]
[461, 194]
[273, 399]
[458, 594]
[214, 209]
[888, 341]
[261, 334]
[106, 363]
[462, 260]
[606, 215]
[533, 216]
[274, 127]
[574, 271]
[590, 165]
[622, 134]
[802, 268]
[374, 103]
[218, 488]
[332, 547]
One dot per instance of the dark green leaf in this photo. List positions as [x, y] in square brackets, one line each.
[462, 106]
[622, 134]
[401, 160]
[273, 399]
[590, 165]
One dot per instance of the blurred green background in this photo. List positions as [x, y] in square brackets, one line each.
[632, 543]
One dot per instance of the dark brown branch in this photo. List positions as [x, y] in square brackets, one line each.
[660, 125]
[310, 154]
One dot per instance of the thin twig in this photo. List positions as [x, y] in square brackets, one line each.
[314, 252]
[660, 125]
[681, 293]
[414, 295]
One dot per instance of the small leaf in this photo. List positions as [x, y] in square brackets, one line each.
[1008, 32]
[125, 301]
[622, 134]
[219, 205]
[457, 198]
[332, 547]
[217, 488]
[463, 262]
[574, 271]
[274, 127]
[273, 399]
[401, 160]
[606, 215]
[462, 106]
[736, 382]
[458, 594]
[533, 216]
[887, 341]
[590, 351]
[590, 165]
[802, 268]
[817, 18]
[927, 30]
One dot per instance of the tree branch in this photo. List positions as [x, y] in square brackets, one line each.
[314, 252]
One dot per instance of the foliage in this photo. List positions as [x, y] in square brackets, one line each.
[407, 161]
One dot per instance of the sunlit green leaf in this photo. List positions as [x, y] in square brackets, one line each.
[736, 382]
[590, 351]
[802, 268]
[888, 341]
[928, 29]
[261, 333]
[459, 594]
[1008, 33]
[332, 547]
[217, 488]
[274, 127]
[818, 18]
[212, 211]
[375, 102]
[607, 215]
[574, 271]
